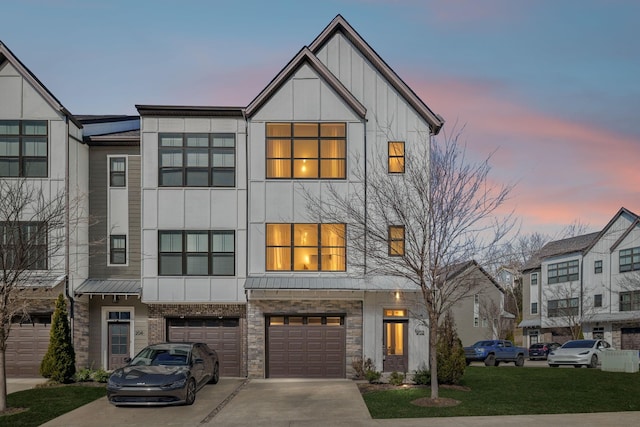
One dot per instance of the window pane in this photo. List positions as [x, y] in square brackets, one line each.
[332, 169]
[224, 178]
[171, 264]
[223, 265]
[305, 168]
[333, 234]
[195, 140]
[197, 177]
[305, 149]
[9, 167]
[224, 141]
[171, 177]
[34, 127]
[305, 129]
[117, 164]
[33, 147]
[278, 168]
[9, 127]
[278, 234]
[279, 148]
[170, 140]
[223, 159]
[332, 129]
[170, 242]
[333, 259]
[396, 164]
[278, 259]
[305, 259]
[223, 242]
[197, 157]
[305, 234]
[171, 158]
[35, 167]
[333, 149]
[118, 257]
[9, 146]
[197, 242]
[198, 265]
[278, 129]
[117, 180]
[118, 242]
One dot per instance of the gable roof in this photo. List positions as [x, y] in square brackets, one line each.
[561, 247]
[305, 56]
[7, 55]
[620, 212]
[457, 269]
[339, 24]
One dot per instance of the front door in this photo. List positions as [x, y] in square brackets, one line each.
[395, 346]
[118, 344]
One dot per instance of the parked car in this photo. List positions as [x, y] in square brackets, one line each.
[493, 352]
[541, 350]
[578, 353]
[164, 374]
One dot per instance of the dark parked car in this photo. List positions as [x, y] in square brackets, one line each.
[541, 350]
[164, 374]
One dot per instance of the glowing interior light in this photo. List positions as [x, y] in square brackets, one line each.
[304, 166]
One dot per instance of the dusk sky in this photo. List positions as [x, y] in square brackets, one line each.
[552, 85]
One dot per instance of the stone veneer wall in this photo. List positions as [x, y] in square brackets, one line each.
[81, 331]
[256, 310]
[159, 312]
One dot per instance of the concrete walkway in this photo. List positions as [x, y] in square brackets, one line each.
[18, 384]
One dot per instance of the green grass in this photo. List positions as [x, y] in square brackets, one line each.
[505, 391]
[44, 404]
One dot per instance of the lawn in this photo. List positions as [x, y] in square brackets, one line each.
[44, 404]
[503, 391]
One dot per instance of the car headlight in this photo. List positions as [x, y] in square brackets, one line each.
[112, 383]
[176, 384]
[583, 353]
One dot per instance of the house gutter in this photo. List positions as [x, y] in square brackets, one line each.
[67, 227]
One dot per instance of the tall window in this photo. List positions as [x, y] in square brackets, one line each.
[534, 279]
[630, 259]
[23, 245]
[630, 301]
[534, 308]
[196, 253]
[117, 172]
[197, 160]
[23, 148]
[118, 249]
[597, 266]
[302, 247]
[563, 272]
[597, 300]
[396, 240]
[396, 157]
[306, 150]
[563, 307]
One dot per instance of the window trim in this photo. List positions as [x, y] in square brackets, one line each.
[21, 138]
[114, 251]
[292, 158]
[209, 253]
[558, 311]
[597, 266]
[568, 276]
[113, 173]
[533, 308]
[631, 253]
[395, 156]
[534, 276]
[392, 251]
[597, 300]
[211, 150]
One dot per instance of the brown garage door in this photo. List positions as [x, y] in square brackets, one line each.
[222, 335]
[26, 346]
[630, 338]
[306, 347]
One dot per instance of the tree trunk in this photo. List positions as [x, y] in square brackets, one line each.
[433, 355]
[3, 382]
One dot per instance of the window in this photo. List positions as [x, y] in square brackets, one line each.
[630, 259]
[196, 253]
[117, 172]
[597, 267]
[300, 247]
[534, 308]
[598, 333]
[630, 301]
[563, 307]
[396, 240]
[23, 245]
[118, 249]
[476, 322]
[563, 272]
[396, 157]
[23, 148]
[534, 279]
[306, 150]
[197, 160]
[597, 300]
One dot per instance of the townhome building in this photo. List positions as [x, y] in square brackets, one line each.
[588, 284]
[193, 223]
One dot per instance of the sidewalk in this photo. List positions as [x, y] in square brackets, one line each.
[18, 384]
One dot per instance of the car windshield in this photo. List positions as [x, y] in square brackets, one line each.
[579, 344]
[537, 345]
[483, 344]
[168, 356]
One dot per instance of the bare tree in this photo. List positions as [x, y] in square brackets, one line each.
[441, 212]
[568, 308]
[32, 242]
[501, 326]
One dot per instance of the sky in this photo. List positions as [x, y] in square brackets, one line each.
[550, 89]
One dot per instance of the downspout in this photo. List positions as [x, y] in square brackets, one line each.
[67, 228]
[366, 209]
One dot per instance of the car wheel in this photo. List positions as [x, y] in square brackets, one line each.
[216, 374]
[490, 360]
[553, 365]
[520, 360]
[594, 362]
[191, 392]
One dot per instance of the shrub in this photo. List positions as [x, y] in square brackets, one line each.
[358, 367]
[450, 353]
[422, 376]
[372, 376]
[83, 375]
[100, 376]
[396, 378]
[59, 363]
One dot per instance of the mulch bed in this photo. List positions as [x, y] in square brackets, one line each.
[441, 402]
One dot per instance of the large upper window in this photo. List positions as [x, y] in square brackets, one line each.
[630, 259]
[306, 150]
[396, 240]
[197, 160]
[23, 245]
[196, 253]
[396, 157]
[23, 148]
[630, 301]
[563, 307]
[301, 247]
[117, 172]
[563, 272]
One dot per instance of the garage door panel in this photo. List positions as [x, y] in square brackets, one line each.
[630, 338]
[26, 346]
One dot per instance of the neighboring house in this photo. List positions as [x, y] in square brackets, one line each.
[588, 283]
[197, 229]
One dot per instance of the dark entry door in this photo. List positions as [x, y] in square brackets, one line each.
[395, 346]
[118, 344]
